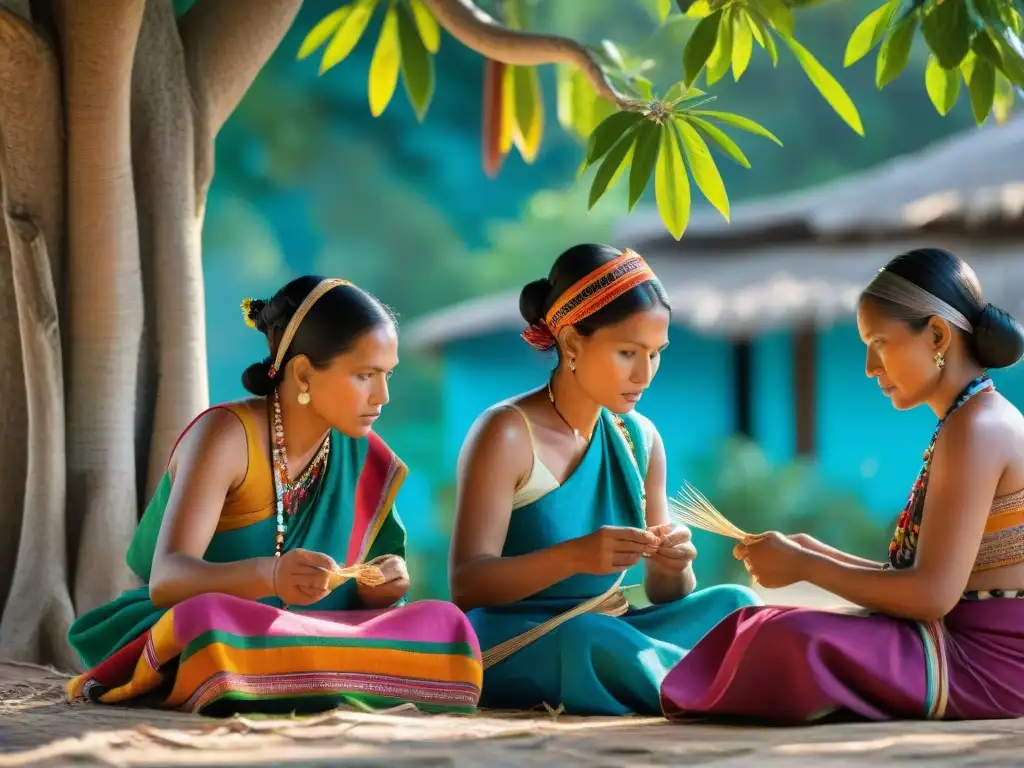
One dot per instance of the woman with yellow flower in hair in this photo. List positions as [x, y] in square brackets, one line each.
[271, 555]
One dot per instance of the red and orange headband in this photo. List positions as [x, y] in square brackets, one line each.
[589, 294]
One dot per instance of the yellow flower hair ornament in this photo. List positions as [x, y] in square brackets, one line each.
[249, 312]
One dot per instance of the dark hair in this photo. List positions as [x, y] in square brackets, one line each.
[997, 340]
[572, 266]
[330, 328]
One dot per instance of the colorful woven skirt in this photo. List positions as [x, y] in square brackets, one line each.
[216, 654]
[795, 665]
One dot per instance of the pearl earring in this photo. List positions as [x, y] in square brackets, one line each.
[303, 398]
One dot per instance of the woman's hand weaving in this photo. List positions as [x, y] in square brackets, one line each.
[613, 548]
[772, 559]
[676, 550]
[394, 588]
[301, 577]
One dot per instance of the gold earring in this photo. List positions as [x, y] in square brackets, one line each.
[572, 364]
[303, 398]
[940, 361]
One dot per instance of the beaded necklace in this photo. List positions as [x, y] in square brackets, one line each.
[288, 496]
[903, 546]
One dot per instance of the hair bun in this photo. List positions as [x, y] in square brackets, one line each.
[256, 378]
[535, 300]
[998, 339]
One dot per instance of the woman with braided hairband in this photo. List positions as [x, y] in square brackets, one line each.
[562, 489]
[941, 631]
[266, 505]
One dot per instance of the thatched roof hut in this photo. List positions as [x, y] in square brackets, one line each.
[804, 257]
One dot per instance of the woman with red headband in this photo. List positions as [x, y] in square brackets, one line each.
[560, 490]
[242, 547]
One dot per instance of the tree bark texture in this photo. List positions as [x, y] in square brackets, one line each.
[108, 114]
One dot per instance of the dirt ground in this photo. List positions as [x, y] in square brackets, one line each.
[38, 728]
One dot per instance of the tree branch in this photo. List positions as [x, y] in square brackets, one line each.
[227, 42]
[479, 32]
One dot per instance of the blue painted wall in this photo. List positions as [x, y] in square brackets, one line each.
[774, 410]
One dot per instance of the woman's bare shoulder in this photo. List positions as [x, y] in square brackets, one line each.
[216, 438]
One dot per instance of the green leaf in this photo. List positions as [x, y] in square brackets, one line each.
[322, 32]
[695, 9]
[827, 85]
[671, 184]
[769, 45]
[948, 29]
[589, 109]
[721, 138]
[1013, 60]
[967, 66]
[417, 64]
[703, 168]
[529, 111]
[699, 46]
[1002, 105]
[385, 64]
[869, 32]
[676, 92]
[608, 133]
[737, 121]
[755, 29]
[943, 85]
[779, 14]
[985, 48]
[564, 83]
[627, 163]
[692, 102]
[982, 89]
[348, 34]
[1000, 25]
[664, 9]
[742, 43]
[721, 55]
[645, 155]
[613, 161]
[524, 89]
[430, 32]
[998, 15]
[895, 52]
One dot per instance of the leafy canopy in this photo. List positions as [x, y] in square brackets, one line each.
[674, 137]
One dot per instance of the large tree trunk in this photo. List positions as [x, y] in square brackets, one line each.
[108, 113]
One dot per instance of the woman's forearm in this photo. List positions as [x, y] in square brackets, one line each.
[845, 557]
[178, 577]
[898, 593]
[499, 580]
[665, 587]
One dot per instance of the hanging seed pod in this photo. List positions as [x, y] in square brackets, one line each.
[493, 116]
